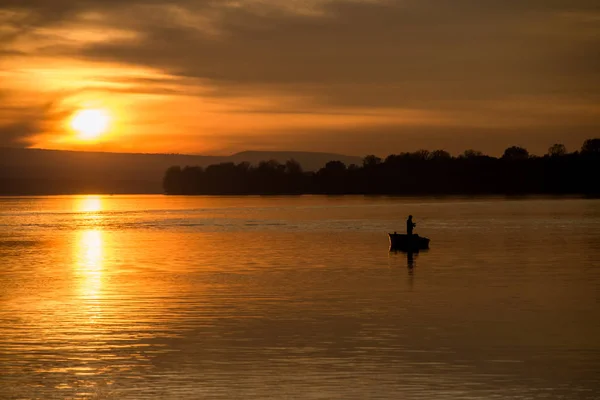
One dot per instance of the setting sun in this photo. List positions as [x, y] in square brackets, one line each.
[90, 123]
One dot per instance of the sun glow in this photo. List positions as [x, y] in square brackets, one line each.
[90, 123]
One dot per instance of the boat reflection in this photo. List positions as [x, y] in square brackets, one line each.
[411, 256]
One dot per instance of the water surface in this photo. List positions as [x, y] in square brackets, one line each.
[127, 297]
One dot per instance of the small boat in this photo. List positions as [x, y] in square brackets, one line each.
[399, 241]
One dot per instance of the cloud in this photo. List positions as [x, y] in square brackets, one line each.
[482, 64]
[22, 123]
[403, 54]
[18, 134]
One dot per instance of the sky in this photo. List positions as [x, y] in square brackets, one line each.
[348, 76]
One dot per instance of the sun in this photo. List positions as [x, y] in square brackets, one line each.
[90, 123]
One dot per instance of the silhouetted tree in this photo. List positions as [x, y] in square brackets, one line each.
[172, 181]
[270, 166]
[336, 166]
[420, 172]
[371, 161]
[516, 153]
[392, 159]
[331, 178]
[420, 154]
[591, 146]
[470, 153]
[293, 167]
[191, 178]
[557, 150]
[439, 155]
[243, 167]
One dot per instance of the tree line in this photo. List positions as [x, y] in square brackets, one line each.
[421, 172]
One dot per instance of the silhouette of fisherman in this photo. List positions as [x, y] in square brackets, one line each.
[410, 225]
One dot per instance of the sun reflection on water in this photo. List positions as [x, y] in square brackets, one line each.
[89, 246]
[89, 210]
[89, 204]
[89, 266]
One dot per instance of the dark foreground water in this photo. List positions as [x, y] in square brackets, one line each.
[298, 297]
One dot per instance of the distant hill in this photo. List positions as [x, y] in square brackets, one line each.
[38, 171]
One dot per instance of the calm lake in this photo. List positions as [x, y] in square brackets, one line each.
[134, 297]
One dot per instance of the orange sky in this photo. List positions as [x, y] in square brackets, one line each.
[346, 76]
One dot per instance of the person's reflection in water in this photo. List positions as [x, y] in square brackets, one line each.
[410, 261]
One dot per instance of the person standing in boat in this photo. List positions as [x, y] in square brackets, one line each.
[410, 225]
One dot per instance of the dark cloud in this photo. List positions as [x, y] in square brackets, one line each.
[18, 134]
[16, 129]
[432, 55]
[419, 53]
[21, 123]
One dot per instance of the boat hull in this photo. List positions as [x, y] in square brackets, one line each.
[404, 242]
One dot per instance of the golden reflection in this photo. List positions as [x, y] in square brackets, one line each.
[90, 258]
[89, 204]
